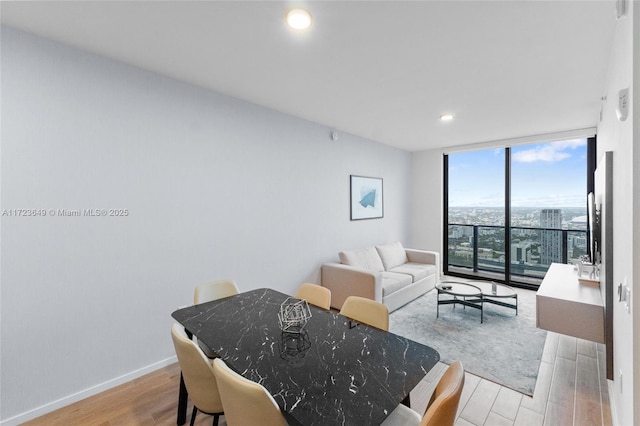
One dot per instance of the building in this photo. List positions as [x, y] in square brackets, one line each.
[198, 183]
[550, 241]
[521, 253]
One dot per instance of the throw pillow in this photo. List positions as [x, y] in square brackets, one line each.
[366, 258]
[392, 255]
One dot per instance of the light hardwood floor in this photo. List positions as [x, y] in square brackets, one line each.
[571, 390]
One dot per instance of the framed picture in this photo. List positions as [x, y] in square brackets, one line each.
[366, 198]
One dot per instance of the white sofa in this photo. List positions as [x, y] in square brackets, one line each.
[387, 273]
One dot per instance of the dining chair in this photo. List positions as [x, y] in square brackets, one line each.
[442, 407]
[214, 290]
[315, 294]
[367, 311]
[198, 375]
[245, 402]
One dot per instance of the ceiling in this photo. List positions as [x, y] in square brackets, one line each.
[383, 70]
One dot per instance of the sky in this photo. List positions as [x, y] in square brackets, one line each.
[542, 175]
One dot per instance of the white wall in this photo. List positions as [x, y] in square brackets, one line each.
[215, 188]
[426, 195]
[617, 136]
[636, 208]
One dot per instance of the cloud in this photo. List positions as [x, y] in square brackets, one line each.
[550, 152]
[550, 200]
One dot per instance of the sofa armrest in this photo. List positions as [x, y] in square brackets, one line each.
[424, 256]
[345, 281]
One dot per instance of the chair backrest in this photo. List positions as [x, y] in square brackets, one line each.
[315, 294]
[245, 402]
[367, 311]
[443, 406]
[214, 290]
[197, 372]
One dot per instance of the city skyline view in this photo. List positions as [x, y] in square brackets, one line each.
[546, 175]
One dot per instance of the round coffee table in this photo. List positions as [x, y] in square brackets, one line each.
[460, 292]
[492, 291]
[478, 292]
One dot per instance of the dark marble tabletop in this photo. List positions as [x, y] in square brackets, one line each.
[335, 372]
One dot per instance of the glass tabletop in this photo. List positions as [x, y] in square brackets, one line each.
[457, 288]
[500, 290]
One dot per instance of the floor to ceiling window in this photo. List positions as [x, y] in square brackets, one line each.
[510, 212]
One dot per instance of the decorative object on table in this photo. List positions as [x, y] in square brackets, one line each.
[366, 198]
[294, 346]
[588, 272]
[293, 315]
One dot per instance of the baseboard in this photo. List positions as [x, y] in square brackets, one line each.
[78, 396]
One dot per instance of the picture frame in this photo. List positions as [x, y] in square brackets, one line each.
[366, 196]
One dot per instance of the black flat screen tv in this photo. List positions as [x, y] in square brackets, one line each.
[594, 229]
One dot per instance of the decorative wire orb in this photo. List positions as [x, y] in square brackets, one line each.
[293, 315]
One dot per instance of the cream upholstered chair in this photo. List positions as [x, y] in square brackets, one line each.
[442, 407]
[214, 290]
[198, 375]
[315, 294]
[245, 402]
[367, 311]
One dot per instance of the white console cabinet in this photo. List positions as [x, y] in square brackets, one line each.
[566, 306]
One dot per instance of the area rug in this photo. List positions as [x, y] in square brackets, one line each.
[505, 349]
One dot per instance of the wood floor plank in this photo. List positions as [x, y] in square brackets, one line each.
[479, 405]
[507, 403]
[538, 402]
[494, 419]
[567, 347]
[558, 415]
[587, 348]
[563, 386]
[527, 417]
[588, 413]
[607, 419]
[471, 382]
[462, 422]
[550, 350]
[587, 380]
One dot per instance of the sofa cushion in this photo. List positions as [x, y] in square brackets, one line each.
[392, 255]
[366, 258]
[417, 270]
[392, 282]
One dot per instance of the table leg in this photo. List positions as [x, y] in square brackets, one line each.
[182, 402]
[407, 401]
[438, 306]
[183, 395]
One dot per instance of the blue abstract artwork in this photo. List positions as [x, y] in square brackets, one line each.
[369, 198]
[366, 197]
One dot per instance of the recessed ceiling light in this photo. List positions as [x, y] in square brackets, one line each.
[298, 19]
[446, 117]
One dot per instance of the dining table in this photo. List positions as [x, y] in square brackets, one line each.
[330, 370]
